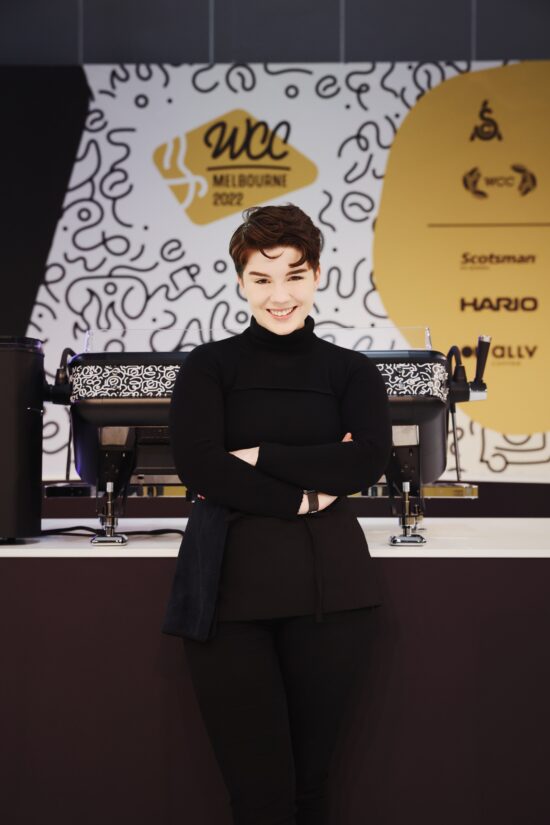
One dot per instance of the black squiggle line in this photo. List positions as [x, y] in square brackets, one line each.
[82, 259]
[376, 128]
[359, 345]
[120, 143]
[49, 431]
[86, 201]
[404, 100]
[362, 88]
[193, 287]
[199, 72]
[333, 323]
[426, 66]
[321, 83]
[363, 144]
[189, 326]
[106, 240]
[149, 72]
[114, 207]
[114, 77]
[383, 81]
[82, 196]
[324, 209]
[90, 146]
[165, 253]
[347, 176]
[339, 280]
[78, 331]
[117, 269]
[162, 329]
[454, 65]
[111, 312]
[361, 141]
[106, 92]
[525, 440]
[165, 72]
[360, 198]
[172, 275]
[38, 331]
[376, 175]
[47, 307]
[328, 334]
[285, 71]
[221, 308]
[237, 69]
[117, 178]
[48, 283]
[91, 117]
[388, 119]
[75, 237]
[139, 254]
[109, 179]
[238, 293]
[369, 292]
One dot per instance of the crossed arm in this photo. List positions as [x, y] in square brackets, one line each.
[269, 479]
[250, 455]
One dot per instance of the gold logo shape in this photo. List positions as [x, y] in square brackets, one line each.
[462, 219]
[232, 162]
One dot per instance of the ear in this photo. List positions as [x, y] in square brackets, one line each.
[317, 275]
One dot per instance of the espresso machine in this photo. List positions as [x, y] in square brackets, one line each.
[119, 402]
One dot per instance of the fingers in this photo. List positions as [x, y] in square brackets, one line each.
[348, 437]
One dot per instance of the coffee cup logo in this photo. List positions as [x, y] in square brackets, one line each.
[232, 162]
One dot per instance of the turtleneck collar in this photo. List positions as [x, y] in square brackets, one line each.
[296, 341]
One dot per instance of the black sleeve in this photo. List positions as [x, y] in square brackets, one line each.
[198, 447]
[341, 468]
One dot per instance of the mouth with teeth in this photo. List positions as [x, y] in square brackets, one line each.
[281, 314]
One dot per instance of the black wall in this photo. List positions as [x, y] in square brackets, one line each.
[68, 32]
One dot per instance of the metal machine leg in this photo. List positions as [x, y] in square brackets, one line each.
[408, 522]
[109, 520]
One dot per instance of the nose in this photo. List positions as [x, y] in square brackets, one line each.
[280, 293]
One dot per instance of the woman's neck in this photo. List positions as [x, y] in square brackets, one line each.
[296, 341]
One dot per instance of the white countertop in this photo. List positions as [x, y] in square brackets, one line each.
[446, 538]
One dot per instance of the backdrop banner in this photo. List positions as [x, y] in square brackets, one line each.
[428, 180]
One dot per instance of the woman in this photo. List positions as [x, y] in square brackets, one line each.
[274, 428]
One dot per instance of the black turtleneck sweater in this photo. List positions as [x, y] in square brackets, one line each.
[295, 396]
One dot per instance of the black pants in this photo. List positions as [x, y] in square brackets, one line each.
[273, 694]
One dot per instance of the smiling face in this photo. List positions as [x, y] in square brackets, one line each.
[272, 286]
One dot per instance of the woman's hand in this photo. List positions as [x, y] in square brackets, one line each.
[248, 454]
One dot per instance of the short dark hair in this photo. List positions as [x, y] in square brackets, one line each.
[265, 227]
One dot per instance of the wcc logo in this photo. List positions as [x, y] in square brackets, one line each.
[230, 163]
[523, 181]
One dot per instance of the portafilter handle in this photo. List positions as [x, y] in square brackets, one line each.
[482, 351]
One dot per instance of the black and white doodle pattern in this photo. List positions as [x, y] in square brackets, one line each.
[126, 261]
[408, 378]
[157, 380]
[123, 381]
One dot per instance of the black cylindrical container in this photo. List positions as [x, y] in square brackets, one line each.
[21, 397]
